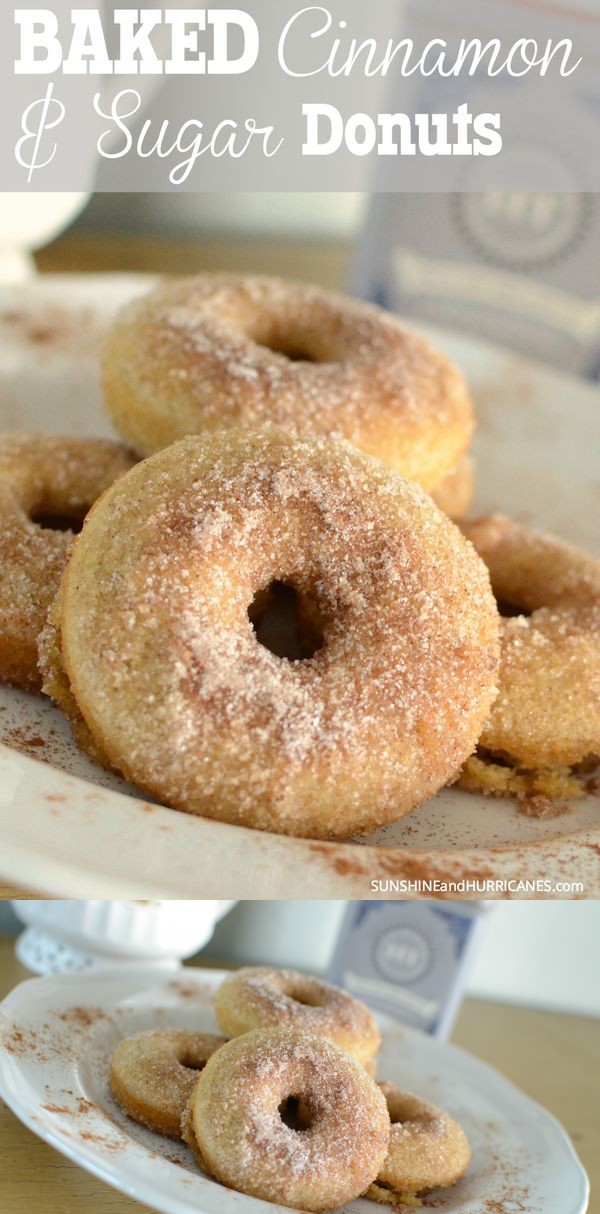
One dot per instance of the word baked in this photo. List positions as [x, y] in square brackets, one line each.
[42, 52]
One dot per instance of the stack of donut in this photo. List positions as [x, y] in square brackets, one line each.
[284, 1108]
[541, 742]
[222, 351]
[266, 619]
[47, 486]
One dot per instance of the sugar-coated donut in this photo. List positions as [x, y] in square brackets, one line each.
[55, 684]
[153, 1074]
[427, 1149]
[218, 350]
[167, 671]
[454, 493]
[288, 1117]
[544, 728]
[47, 485]
[258, 997]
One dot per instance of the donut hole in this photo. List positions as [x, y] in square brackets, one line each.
[287, 622]
[508, 610]
[305, 999]
[192, 1064]
[54, 520]
[292, 343]
[296, 1113]
[293, 351]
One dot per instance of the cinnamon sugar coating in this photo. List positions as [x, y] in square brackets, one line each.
[454, 493]
[55, 684]
[239, 1124]
[545, 724]
[222, 350]
[258, 997]
[153, 1074]
[427, 1149]
[169, 676]
[42, 475]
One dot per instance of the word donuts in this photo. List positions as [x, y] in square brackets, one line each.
[223, 350]
[260, 998]
[153, 1074]
[288, 1117]
[544, 728]
[427, 1149]
[170, 677]
[47, 485]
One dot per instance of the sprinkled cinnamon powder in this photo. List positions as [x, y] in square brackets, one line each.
[258, 996]
[186, 701]
[542, 807]
[48, 329]
[221, 350]
[83, 1016]
[497, 1180]
[245, 1142]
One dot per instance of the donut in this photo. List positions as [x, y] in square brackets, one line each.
[153, 1074]
[169, 675]
[55, 684]
[258, 997]
[454, 493]
[542, 737]
[288, 1117]
[427, 1149]
[220, 350]
[47, 485]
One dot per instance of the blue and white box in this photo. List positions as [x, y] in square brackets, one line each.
[409, 959]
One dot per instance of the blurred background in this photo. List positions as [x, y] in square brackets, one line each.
[517, 269]
[321, 216]
[536, 954]
[306, 236]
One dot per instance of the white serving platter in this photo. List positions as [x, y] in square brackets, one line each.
[68, 829]
[57, 1034]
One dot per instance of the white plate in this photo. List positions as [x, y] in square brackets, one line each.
[67, 828]
[57, 1034]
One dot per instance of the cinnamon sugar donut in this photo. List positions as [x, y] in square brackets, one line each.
[55, 684]
[544, 728]
[258, 997]
[47, 485]
[167, 670]
[288, 1117]
[454, 493]
[220, 350]
[427, 1149]
[153, 1074]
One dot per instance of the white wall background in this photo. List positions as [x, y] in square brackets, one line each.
[274, 216]
[542, 954]
[545, 954]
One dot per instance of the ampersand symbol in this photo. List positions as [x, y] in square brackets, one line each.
[45, 114]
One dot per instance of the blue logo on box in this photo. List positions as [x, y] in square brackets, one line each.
[402, 954]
